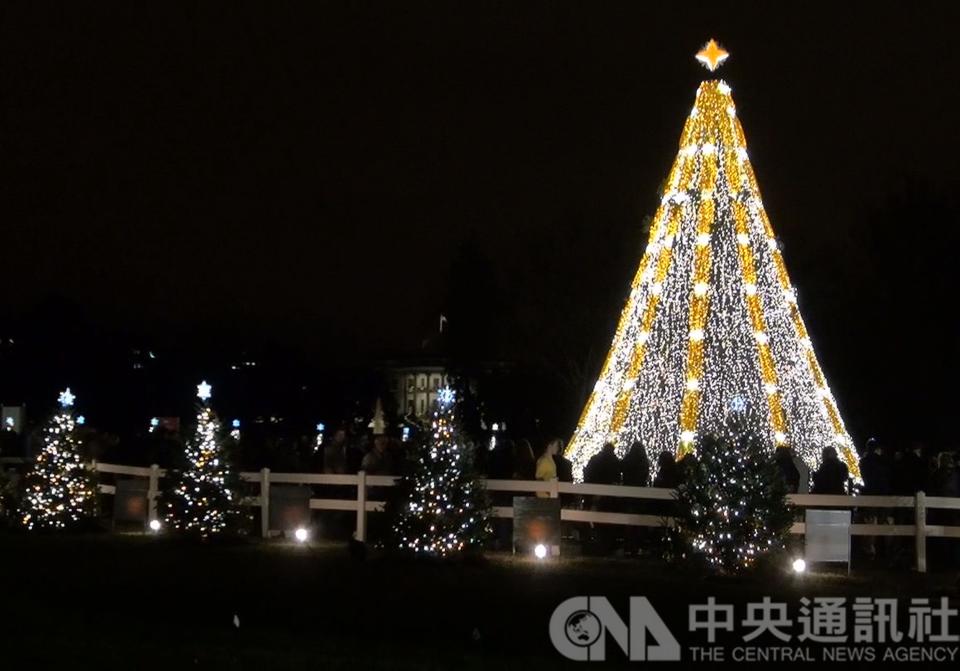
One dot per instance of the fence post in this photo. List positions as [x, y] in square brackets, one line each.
[361, 534]
[264, 502]
[153, 490]
[920, 523]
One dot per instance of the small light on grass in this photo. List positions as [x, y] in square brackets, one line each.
[540, 551]
[301, 535]
[155, 525]
[799, 565]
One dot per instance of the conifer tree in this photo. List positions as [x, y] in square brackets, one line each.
[60, 490]
[732, 503]
[440, 509]
[202, 498]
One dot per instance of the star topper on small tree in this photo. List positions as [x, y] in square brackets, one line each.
[66, 398]
[204, 391]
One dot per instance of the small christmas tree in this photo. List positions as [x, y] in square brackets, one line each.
[202, 497]
[441, 509]
[732, 504]
[60, 491]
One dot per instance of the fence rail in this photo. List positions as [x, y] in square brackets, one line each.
[362, 482]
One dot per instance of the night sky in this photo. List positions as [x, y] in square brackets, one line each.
[329, 177]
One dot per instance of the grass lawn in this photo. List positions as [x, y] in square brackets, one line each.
[136, 602]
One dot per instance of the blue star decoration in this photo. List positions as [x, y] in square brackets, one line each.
[204, 391]
[66, 398]
[446, 396]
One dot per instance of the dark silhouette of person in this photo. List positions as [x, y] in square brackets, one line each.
[910, 473]
[668, 472]
[783, 456]
[876, 470]
[524, 463]
[831, 477]
[500, 463]
[635, 466]
[564, 472]
[564, 465]
[604, 467]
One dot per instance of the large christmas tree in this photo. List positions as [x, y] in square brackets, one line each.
[712, 321]
[440, 509]
[202, 498]
[60, 490]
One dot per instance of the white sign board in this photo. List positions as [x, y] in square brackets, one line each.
[827, 536]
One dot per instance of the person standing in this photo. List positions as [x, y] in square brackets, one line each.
[546, 466]
[635, 466]
[831, 477]
[604, 468]
[788, 469]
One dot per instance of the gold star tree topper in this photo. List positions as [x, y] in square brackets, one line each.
[712, 55]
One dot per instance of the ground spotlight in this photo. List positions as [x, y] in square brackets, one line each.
[155, 525]
[799, 565]
[540, 551]
[301, 534]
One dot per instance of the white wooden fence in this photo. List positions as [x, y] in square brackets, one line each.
[361, 505]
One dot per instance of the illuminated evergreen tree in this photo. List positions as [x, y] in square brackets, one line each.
[60, 490]
[712, 316]
[440, 509]
[202, 497]
[733, 501]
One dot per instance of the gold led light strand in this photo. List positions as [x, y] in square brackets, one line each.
[754, 309]
[699, 304]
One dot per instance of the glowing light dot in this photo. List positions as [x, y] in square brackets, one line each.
[743, 239]
[687, 437]
[656, 288]
[723, 88]
[761, 337]
[780, 437]
[750, 289]
[703, 239]
[700, 288]
[540, 551]
[709, 149]
[629, 384]
[770, 388]
[696, 334]
[741, 154]
[643, 336]
[301, 535]
[155, 525]
[693, 384]
[799, 565]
